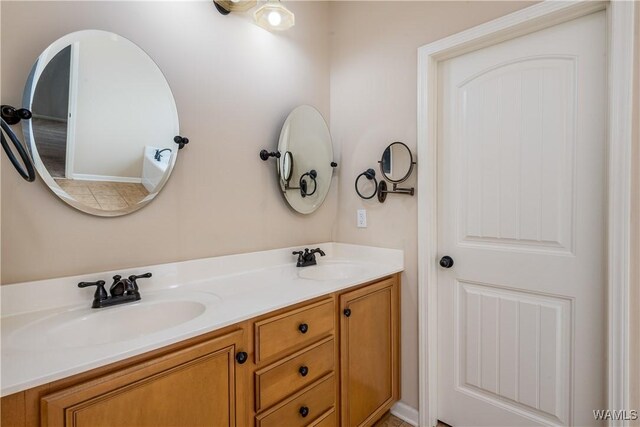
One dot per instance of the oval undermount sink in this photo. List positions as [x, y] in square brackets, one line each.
[331, 271]
[75, 328]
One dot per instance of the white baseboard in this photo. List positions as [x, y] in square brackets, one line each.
[406, 413]
[87, 177]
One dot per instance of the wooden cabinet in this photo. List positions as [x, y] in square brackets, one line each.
[313, 364]
[369, 351]
[195, 386]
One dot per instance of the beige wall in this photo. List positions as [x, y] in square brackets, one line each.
[373, 103]
[234, 85]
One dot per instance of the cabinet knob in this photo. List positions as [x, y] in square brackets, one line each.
[304, 411]
[347, 312]
[303, 371]
[303, 328]
[242, 357]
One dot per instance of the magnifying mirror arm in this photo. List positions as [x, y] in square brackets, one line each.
[397, 189]
[383, 191]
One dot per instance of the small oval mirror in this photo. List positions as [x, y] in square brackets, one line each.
[305, 169]
[397, 162]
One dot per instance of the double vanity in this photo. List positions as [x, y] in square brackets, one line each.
[239, 340]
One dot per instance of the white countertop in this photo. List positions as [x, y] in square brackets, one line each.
[230, 288]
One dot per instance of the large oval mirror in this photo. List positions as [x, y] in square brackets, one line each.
[104, 122]
[305, 164]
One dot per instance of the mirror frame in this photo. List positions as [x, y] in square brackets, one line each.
[411, 163]
[27, 100]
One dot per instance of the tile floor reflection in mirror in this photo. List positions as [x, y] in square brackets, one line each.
[104, 195]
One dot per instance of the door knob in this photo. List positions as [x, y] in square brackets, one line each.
[446, 261]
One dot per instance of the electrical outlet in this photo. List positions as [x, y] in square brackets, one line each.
[362, 218]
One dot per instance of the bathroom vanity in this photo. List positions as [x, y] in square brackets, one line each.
[275, 345]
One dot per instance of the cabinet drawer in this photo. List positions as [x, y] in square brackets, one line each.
[276, 382]
[328, 419]
[316, 400]
[293, 329]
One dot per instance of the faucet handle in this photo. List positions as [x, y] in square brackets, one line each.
[101, 293]
[301, 257]
[141, 276]
[318, 251]
[133, 279]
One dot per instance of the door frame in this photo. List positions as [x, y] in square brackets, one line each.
[620, 33]
[72, 110]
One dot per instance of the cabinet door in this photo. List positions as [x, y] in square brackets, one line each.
[369, 352]
[195, 386]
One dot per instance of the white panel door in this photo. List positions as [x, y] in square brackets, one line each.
[521, 196]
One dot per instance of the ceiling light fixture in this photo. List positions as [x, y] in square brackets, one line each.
[273, 15]
[227, 6]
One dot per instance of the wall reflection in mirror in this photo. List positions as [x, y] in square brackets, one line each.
[103, 125]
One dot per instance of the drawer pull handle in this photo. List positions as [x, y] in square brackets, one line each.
[242, 357]
[304, 411]
[303, 328]
[303, 371]
[347, 312]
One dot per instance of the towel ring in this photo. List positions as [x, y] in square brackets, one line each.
[370, 174]
[27, 172]
[303, 183]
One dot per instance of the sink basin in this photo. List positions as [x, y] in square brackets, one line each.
[332, 271]
[82, 328]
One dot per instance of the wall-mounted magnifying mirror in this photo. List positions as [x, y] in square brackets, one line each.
[306, 167]
[104, 123]
[397, 162]
[396, 166]
[285, 167]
